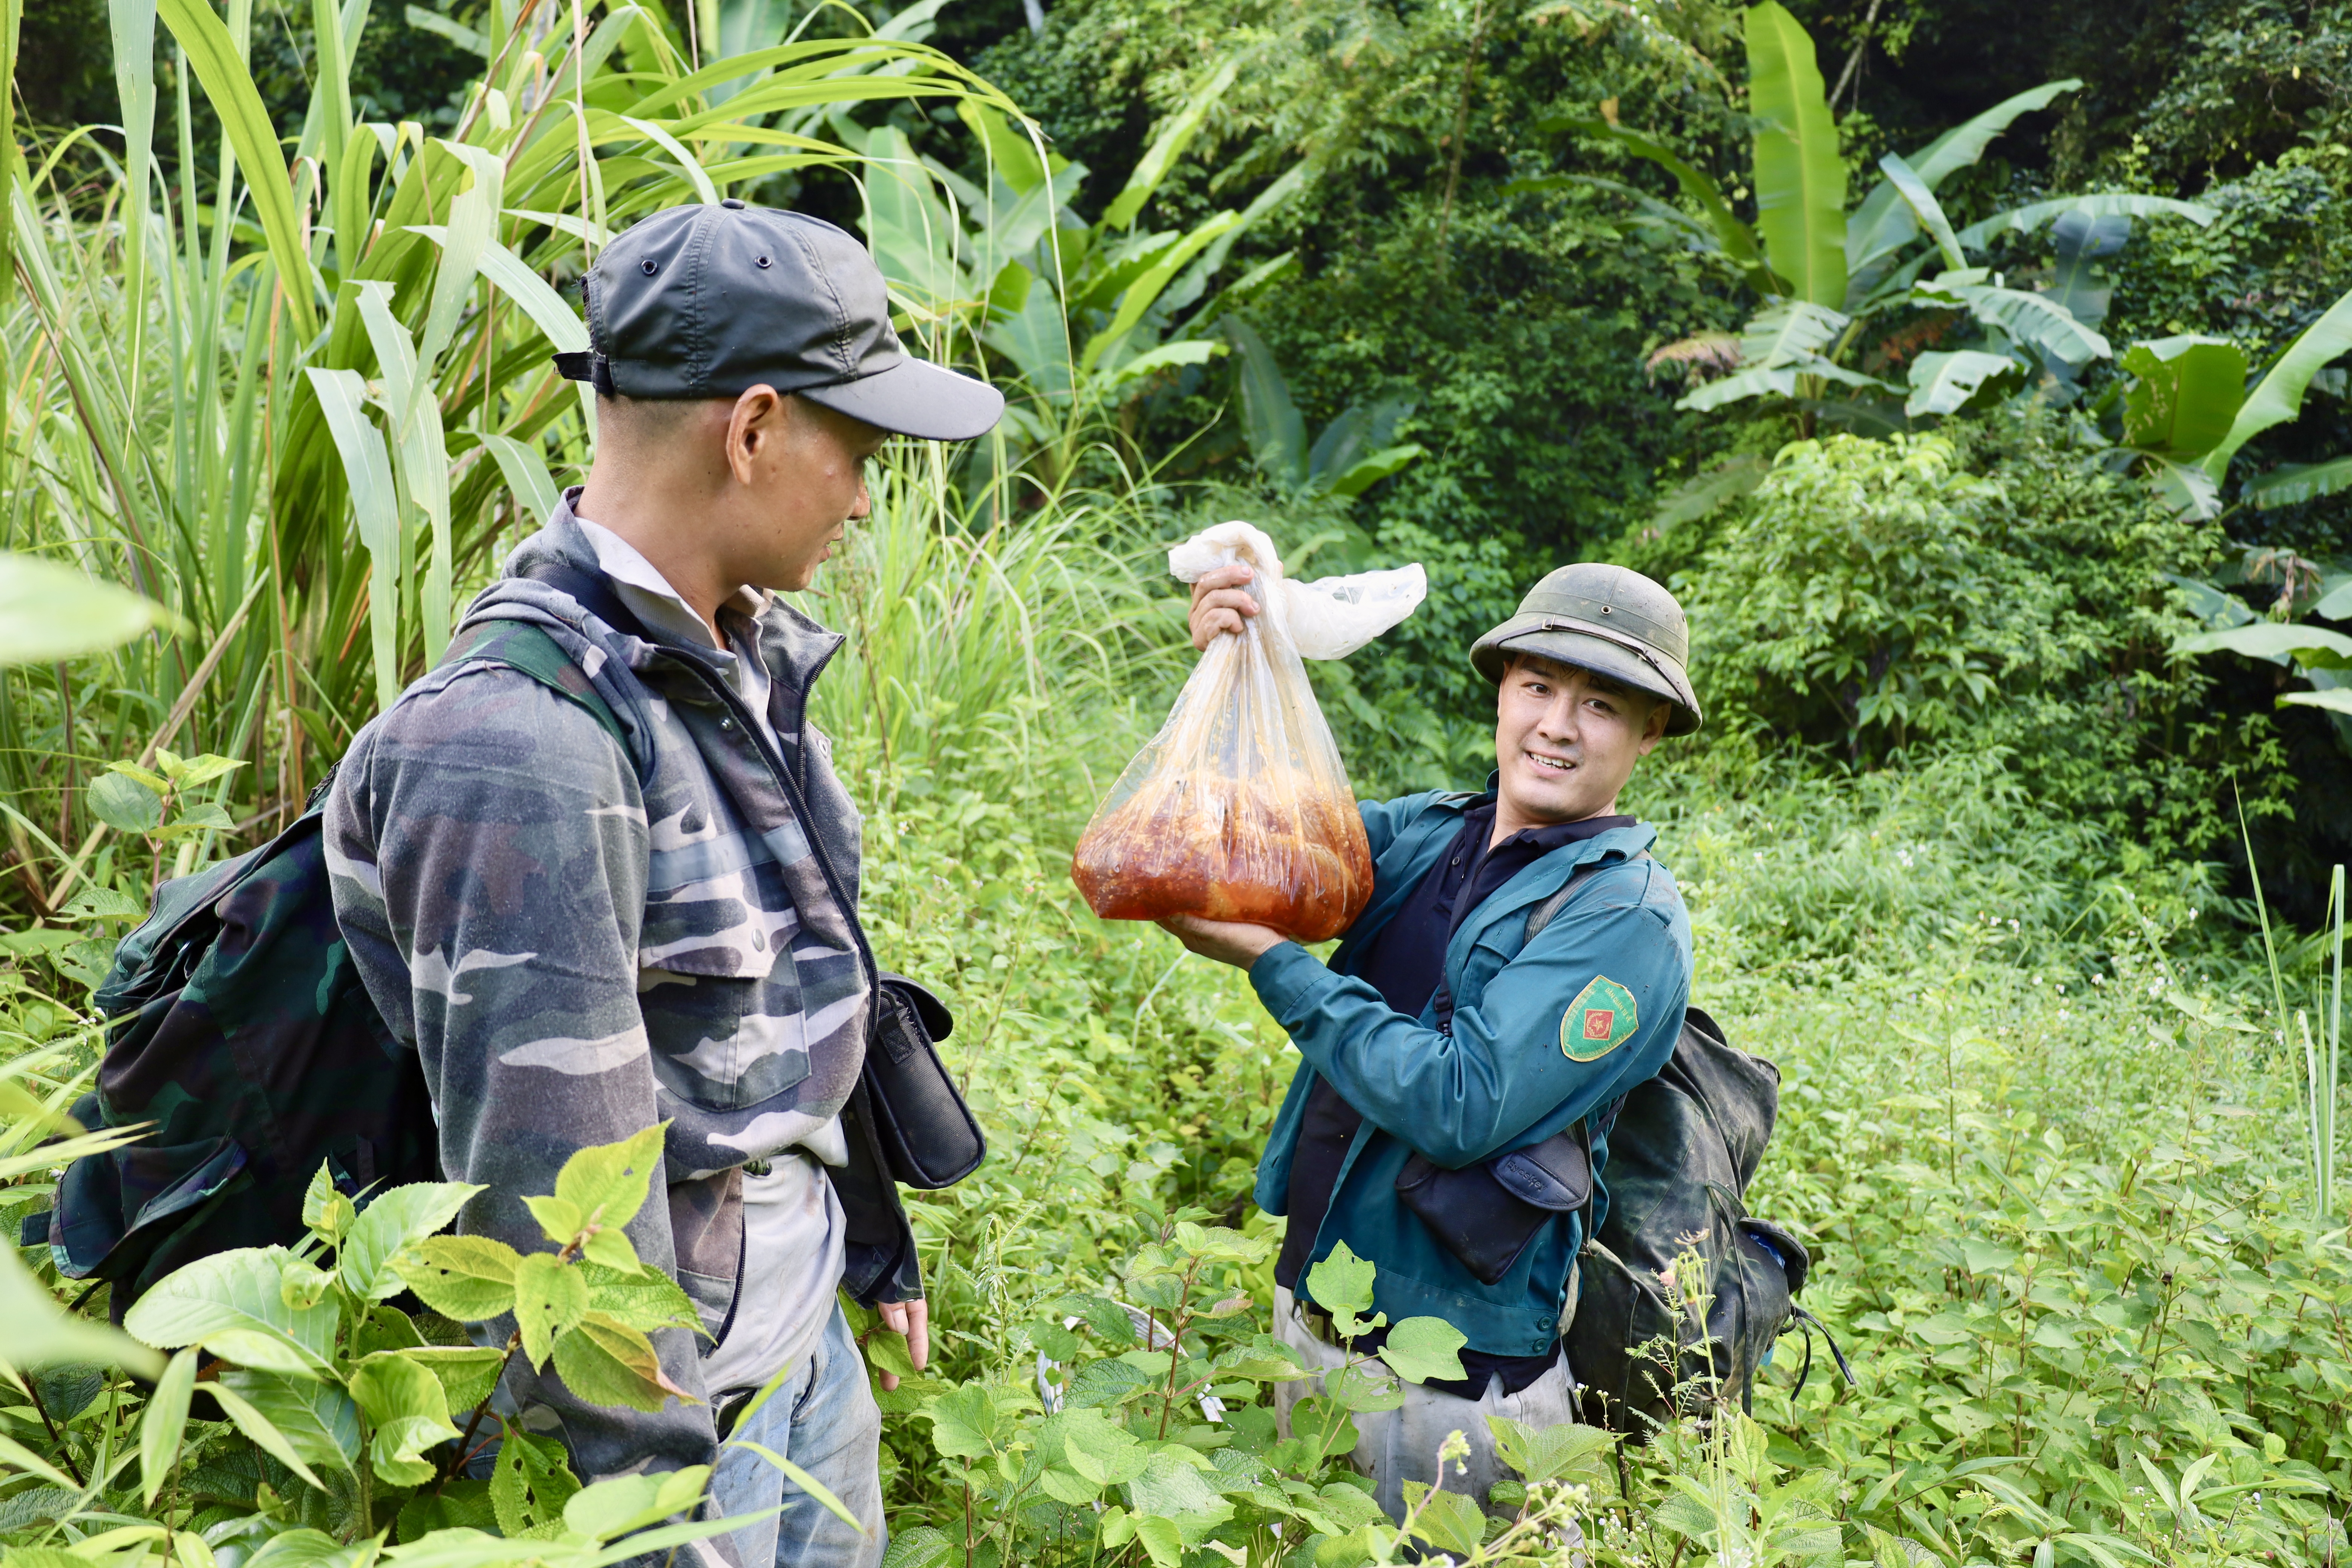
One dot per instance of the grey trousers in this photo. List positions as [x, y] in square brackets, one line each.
[1394, 1446]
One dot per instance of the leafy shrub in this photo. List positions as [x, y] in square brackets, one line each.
[1880, 600]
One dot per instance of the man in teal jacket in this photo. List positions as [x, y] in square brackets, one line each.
[1442, 1029]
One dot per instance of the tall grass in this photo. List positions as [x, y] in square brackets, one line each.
[302, 394]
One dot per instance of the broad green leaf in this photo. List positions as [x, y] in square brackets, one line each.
[613, 1508]
[2033, 215]
[1104, 1454]
[469, 1278]
[411, 1414]
[606, 1186]
[1550, 1453]
[2278, 396]
[1161, 155]
[531, 1483]
[312, 1549]
[1419, 1349]
[302, 1423]
[233, 1304]
[559, 1221]
[550, 1299]
[2335, 699]
[1788, 332]
[647, 1300]
[1883, 224]
[2036, 320]
[123, 804]
[1925, 207]
[1800, 175]
[2186, 396]
[606, 1362]
[1447, 1521]
[962, 1423]
[1172, 1488]
[50, 612]
[1162, 1540]
[161, 1422]
[2315, 647]
[216, 61]
[394, 1221]
[466, 1371]
[2292, 484]
[1341, 1283]
[1145, 291]
[1948, 382]
[1275, 431]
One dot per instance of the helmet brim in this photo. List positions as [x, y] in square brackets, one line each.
[1584, 647]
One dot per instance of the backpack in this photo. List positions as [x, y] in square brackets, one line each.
[239, 1028]
[1682, 1151]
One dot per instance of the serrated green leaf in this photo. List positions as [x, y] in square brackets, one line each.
[301, 1421]
[324, 1208]
[607, 1184]
[646, 1300]
[559, 1220]
[605, 1361]
[1104, 1454]
[233, 1304]
[394, 1221]
[531, 1483]
[123, 804]
[468, 1278]
[550, 1299]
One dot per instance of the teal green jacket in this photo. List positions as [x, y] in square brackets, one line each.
[1539, 1039]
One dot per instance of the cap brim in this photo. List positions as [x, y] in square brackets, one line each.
[915, 397]
[1585, 651]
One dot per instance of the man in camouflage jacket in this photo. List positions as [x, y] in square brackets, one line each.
[582, 938]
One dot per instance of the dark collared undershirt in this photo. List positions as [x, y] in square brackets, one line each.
[1404, 963]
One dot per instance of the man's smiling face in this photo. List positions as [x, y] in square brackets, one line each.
[1565, 741]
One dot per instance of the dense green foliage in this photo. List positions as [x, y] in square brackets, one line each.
[1960, 840]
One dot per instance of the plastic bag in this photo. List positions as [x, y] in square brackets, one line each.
[1239, 808]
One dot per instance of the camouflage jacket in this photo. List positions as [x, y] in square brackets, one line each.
[579, 942]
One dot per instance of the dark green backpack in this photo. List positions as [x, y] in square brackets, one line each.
[1682, 1151]
[238, 1028]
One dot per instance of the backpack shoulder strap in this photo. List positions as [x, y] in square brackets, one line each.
[529, 651]
[1544, 913]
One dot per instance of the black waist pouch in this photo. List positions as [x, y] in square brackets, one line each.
[1485, 1215]
[926, 1134]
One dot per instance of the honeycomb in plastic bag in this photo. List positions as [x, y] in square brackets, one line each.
[1240, 809]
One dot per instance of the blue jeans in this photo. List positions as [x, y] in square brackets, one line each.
[825, 1420]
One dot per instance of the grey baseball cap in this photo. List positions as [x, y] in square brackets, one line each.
[1608, 619]
[707, 300]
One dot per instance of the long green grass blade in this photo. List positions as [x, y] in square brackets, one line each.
[220, 67]
[342, 397]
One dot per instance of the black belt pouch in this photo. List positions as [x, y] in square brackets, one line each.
[928, 1137]
[1485, 1215]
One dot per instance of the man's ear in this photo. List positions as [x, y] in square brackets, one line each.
[757, 421]
[1654, 725]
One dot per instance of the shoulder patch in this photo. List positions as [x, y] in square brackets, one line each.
[1600, 1019]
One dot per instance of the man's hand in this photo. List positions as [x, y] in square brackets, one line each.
[912, 1319]
[1220, 604]
[1228, 941]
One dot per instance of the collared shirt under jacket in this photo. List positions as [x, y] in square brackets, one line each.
[1520, 1062]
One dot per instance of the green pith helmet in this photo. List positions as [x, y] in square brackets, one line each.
[1606, 619]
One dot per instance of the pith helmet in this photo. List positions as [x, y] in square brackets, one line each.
[1606, 619]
